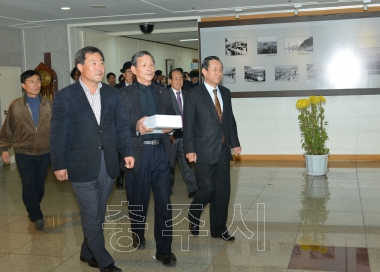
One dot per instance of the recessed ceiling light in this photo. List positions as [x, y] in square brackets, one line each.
[98, 6]
[188, 40]
[65, 8]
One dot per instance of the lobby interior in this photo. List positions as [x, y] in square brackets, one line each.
[283, 220]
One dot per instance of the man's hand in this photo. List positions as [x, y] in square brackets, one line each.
[171, 137]
[61, 174]
[192, 157]
[237, 150]
[167, 130]
[5, 156]
[129, 162]
[141, 128]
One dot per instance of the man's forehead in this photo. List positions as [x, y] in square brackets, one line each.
[93, 56]
[145, 58]
[176, 74]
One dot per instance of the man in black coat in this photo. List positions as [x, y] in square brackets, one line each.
[178, 97]
[129, 77]
[153, 154]
[209, 134]
[89, 127]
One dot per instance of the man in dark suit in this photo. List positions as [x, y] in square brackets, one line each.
[187, 85]
[159, 77]
[194, 78]
[129, 77]
[89, 127]
[209, 134]
[178, 96]
[153, 154]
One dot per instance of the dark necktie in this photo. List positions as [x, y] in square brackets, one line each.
[218, 110]
[217, 105]
[179, 101]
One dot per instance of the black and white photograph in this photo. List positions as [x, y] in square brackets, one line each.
[369, 59]
[267, 45]
[286, 73]
[317, 71]
[236, 46]
[299, 45]
[254, 74]
[229, 76]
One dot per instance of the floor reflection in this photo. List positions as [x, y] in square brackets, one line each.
[329, 258]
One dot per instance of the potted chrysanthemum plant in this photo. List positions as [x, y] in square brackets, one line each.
[313, 134]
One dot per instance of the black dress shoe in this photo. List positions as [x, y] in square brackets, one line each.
[112, 268]
[225, 237]
[191, 195]
[193, 225]
[137, 242]
[90, 261]
[166, 259]
[194, 229]
[119, 183]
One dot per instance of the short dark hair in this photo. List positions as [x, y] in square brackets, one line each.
[194, 74]
[176, 69]
[139, 55]
[73, 71]
[81, 54]
[205, 62]
[121, 77]
[111, 74]
[29, 73]
[158, 73]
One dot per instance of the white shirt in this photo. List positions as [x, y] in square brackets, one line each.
[93, 99]
[175, 94]
[210, 90]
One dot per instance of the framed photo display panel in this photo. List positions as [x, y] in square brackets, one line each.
[295, 56]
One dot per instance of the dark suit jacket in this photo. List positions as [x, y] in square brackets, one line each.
[177, 132]
[133, 107]
[202, 132]
[75, 136]
[187, 85]
[120, 85]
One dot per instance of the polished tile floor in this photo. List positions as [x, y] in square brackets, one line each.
[283, 220]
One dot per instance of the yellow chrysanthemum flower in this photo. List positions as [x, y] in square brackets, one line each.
[321, 99]
[314, 100]
[302, 104]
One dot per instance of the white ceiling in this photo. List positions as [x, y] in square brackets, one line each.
[121, 17]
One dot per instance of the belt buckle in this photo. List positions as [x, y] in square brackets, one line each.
[155, 142]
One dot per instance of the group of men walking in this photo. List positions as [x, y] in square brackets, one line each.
[91, 123]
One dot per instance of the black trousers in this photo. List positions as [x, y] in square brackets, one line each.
[185, 167]
[213, 187]
[154, 174]
[33, 171]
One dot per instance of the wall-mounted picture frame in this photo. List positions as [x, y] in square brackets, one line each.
[229, 75]
[235, 46]
[343, 61]
[169, 67]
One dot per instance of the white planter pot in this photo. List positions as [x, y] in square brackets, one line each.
[316, 165]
